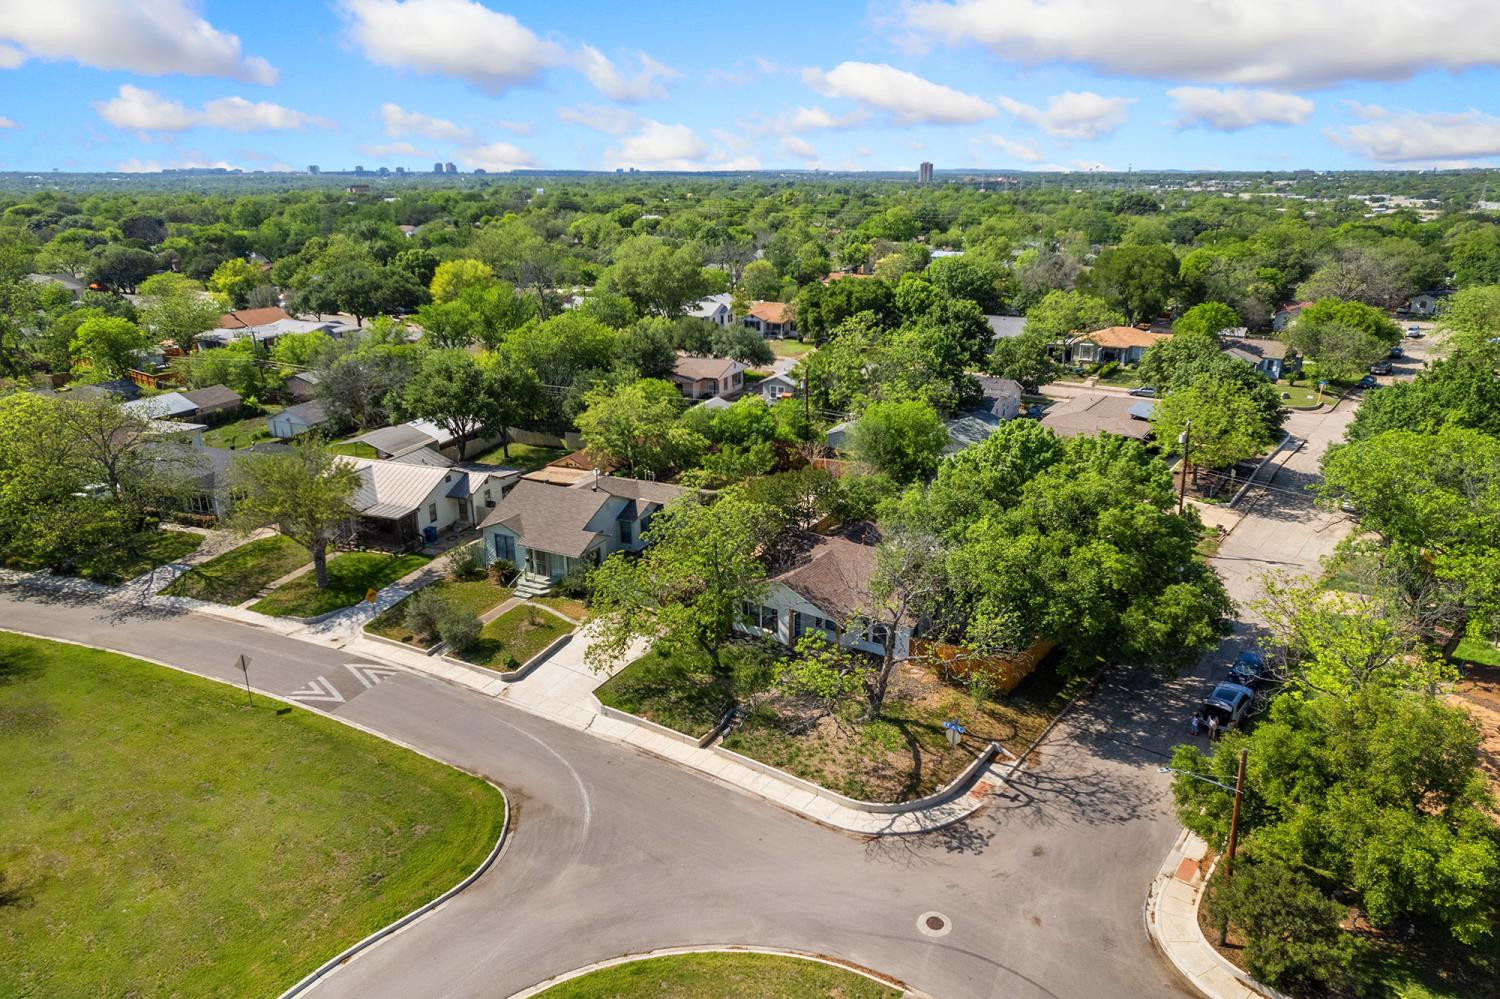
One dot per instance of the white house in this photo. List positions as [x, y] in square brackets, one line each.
[402, 502]
[548, 530]
[778, 386]
[825, 588]
[294, 421]
[716, 309]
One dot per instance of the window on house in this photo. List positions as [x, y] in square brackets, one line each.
[625, 535]
[760, 616]
[432, 513]
[505, 547]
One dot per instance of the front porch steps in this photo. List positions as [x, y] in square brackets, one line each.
[531, 585]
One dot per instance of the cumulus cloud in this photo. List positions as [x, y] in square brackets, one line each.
[192, 159]
[496, 156]
[1400, 136]
[647, 83]
[1073, 115]
[800, 148]
[610, 121]
[466, 40]
[1238, 41]
[1026, 152]
[1234, 109]
[660, 146]
[7, 123]
[153, 37]
[148, 111]
[382, 150]
[398, 121]
[908, 98]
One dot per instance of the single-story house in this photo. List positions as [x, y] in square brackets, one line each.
[548, 530]
[1125, 344]
[716, 309]
[393, 442]
[717, 402]
[399, 501]
[771, 319]
[166, 406]
[778, 386]
[574, 467]
[968, 430]
[243, 319]
[68, 282]
[265, 335]
[1426, 303]
[302, 387]
[1006, 327]
[705, 377]
[1002, 396]
[824, 586]
[119, 388]
[1271, 358]
[215, 401]
[1085, 415]
[294, 421]
[1286, 314]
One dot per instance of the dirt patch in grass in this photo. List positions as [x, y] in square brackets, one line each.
[507, 642]
[905, 754]
[240, 573]
[473, 597]
[566, 606]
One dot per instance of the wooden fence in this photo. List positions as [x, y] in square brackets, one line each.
[1007, 670]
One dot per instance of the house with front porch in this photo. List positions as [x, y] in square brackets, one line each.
[823, 587]
[771, 319]
[706, 377]
[548, 530]
[1124, 344]
[406, 504]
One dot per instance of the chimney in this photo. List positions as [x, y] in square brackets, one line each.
[596, 480]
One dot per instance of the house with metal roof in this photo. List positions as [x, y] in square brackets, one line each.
[294, 421]
[716, 309]
[166, 406]
[549, 530]
[404, 503]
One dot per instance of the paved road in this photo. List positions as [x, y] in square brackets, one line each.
[615, 852]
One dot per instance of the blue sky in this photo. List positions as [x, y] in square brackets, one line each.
[1001, 84]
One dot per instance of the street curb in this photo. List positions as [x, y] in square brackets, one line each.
[353, 951]
[832, 962]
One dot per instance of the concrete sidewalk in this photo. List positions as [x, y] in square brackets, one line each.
[1172, 924]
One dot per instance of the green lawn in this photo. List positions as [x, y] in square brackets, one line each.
[473, 597]
[722, 976]
[240, 573]
[1477, 651]
[354, 449]
[566, 606]
[790, 348]
[526, 457]
[116, 565]
[679, 691]
[160, 838]
[515, 636]
[243, 432]
[350, 576]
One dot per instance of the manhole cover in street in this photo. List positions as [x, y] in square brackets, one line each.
[934, 924]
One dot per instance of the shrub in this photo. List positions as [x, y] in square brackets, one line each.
[1107, 368]
[458, 629]
[575, 585]
[467, 565]
[423, 609]
[502, 570]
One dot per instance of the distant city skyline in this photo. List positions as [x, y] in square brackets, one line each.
[95, 85]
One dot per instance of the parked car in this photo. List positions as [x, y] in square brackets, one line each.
[1380, 368]
[1229, 705]
[1145, 391]
[1248, 670]
[1397, 353]
[1414, 332]
[1367, 382]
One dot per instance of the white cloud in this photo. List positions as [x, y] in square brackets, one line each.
[1073, 115]
[610, 121]
[1026, 152]
[7, 123]
[1234, 109]
[153, 37]
[1415, 137]
[398, 121]
[659, 146]
[147, 111]
[191, 159]
[516, 127]
[381, 150]
[496, 156]
[800, 148]
[646, 84]
[907, 97]
[1225, 41]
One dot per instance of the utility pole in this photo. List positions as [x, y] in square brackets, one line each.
[1234, 831]
[1185, 439]
[806, 404]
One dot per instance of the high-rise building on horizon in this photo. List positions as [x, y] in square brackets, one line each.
[449, 168]
[924, 173]
[312, 168]
[437, 168]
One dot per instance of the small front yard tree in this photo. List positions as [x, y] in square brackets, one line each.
[688, 588]
[306, 494]
[638, 425]
[1226, 427]
[902, 439]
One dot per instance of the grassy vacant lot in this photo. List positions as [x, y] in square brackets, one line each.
[160, 838]
[116, 565]
[677, 689]
[240, 573]
[722, 976]
[350, 575]
[515, 636]
[242, 432]
[905, 754]
[526, 457]
[474, 597]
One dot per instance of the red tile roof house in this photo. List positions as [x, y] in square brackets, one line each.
[771, 319]
[706, 377]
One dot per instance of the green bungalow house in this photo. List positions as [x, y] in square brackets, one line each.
[547, 530]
